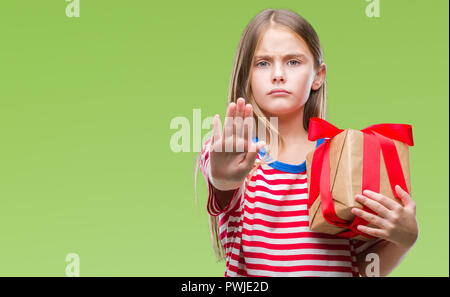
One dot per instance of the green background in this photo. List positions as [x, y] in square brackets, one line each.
[86, 105]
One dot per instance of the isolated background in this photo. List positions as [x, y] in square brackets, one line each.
[86, 104]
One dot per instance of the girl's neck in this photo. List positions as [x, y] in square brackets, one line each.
[290, 128]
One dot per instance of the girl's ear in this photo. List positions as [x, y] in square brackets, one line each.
[319, 77]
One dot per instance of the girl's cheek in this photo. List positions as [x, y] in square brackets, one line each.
[258, 83]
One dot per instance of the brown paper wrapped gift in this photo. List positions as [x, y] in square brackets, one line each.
[346, 151]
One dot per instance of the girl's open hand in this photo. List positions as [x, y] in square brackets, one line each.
[397, 223]
[233, 152]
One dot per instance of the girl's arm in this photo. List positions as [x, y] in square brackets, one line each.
[223, 197]
[397, 225]
[389, 257]
[219, 201]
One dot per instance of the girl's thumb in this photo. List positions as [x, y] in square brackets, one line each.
[251, 155]
[260, 145]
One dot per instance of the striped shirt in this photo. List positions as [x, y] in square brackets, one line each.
[265, 227]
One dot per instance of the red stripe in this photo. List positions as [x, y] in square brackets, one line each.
[296, 257]
[298, 268]
[288, 235]
[231, 245]
[277, 224]
[282, 181]
[277, 192]
[276, 202]
[240, 272]
[230, 234]
[224, 219]
[237, 234]
[278, 214]
[292, 246]
[231, 213]
[233, 224]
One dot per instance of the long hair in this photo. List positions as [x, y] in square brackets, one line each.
[240, 86]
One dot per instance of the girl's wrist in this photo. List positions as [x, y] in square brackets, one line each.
[222, 185]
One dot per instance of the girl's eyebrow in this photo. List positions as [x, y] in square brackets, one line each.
[268, 57]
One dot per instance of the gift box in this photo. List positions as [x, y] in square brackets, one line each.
[347, 163]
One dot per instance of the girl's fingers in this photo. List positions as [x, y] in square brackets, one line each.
[228, 133]
[375, 232]
[385, 201]
[239, 125]
[234, 132]
[248, 110]
[371, 218]
[405, 198]
[374, 205]
[239, 122]
[228, 124]
[216, 129]
[240, 106]
[254, 149]
[248, 128]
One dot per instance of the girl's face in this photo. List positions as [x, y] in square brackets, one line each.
[282, 60]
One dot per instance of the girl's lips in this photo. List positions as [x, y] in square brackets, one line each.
[279, 93]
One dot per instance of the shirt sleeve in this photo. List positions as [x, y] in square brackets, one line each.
[213, 207]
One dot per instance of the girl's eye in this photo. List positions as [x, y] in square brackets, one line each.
[260, 63]
[296, 63]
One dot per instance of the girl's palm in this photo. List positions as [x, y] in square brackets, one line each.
[233, 153]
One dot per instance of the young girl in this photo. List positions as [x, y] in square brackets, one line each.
[257, 200]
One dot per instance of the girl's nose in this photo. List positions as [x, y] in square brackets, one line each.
[278, 77]
[278, 74]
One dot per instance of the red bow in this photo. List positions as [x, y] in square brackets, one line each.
[376, 137]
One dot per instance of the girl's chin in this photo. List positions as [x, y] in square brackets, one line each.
[277, 110]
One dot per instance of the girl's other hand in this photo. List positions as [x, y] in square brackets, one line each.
[396, 222]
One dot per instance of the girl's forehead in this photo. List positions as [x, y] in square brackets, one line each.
[280, 40]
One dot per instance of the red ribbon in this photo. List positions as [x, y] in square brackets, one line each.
[376, 137]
